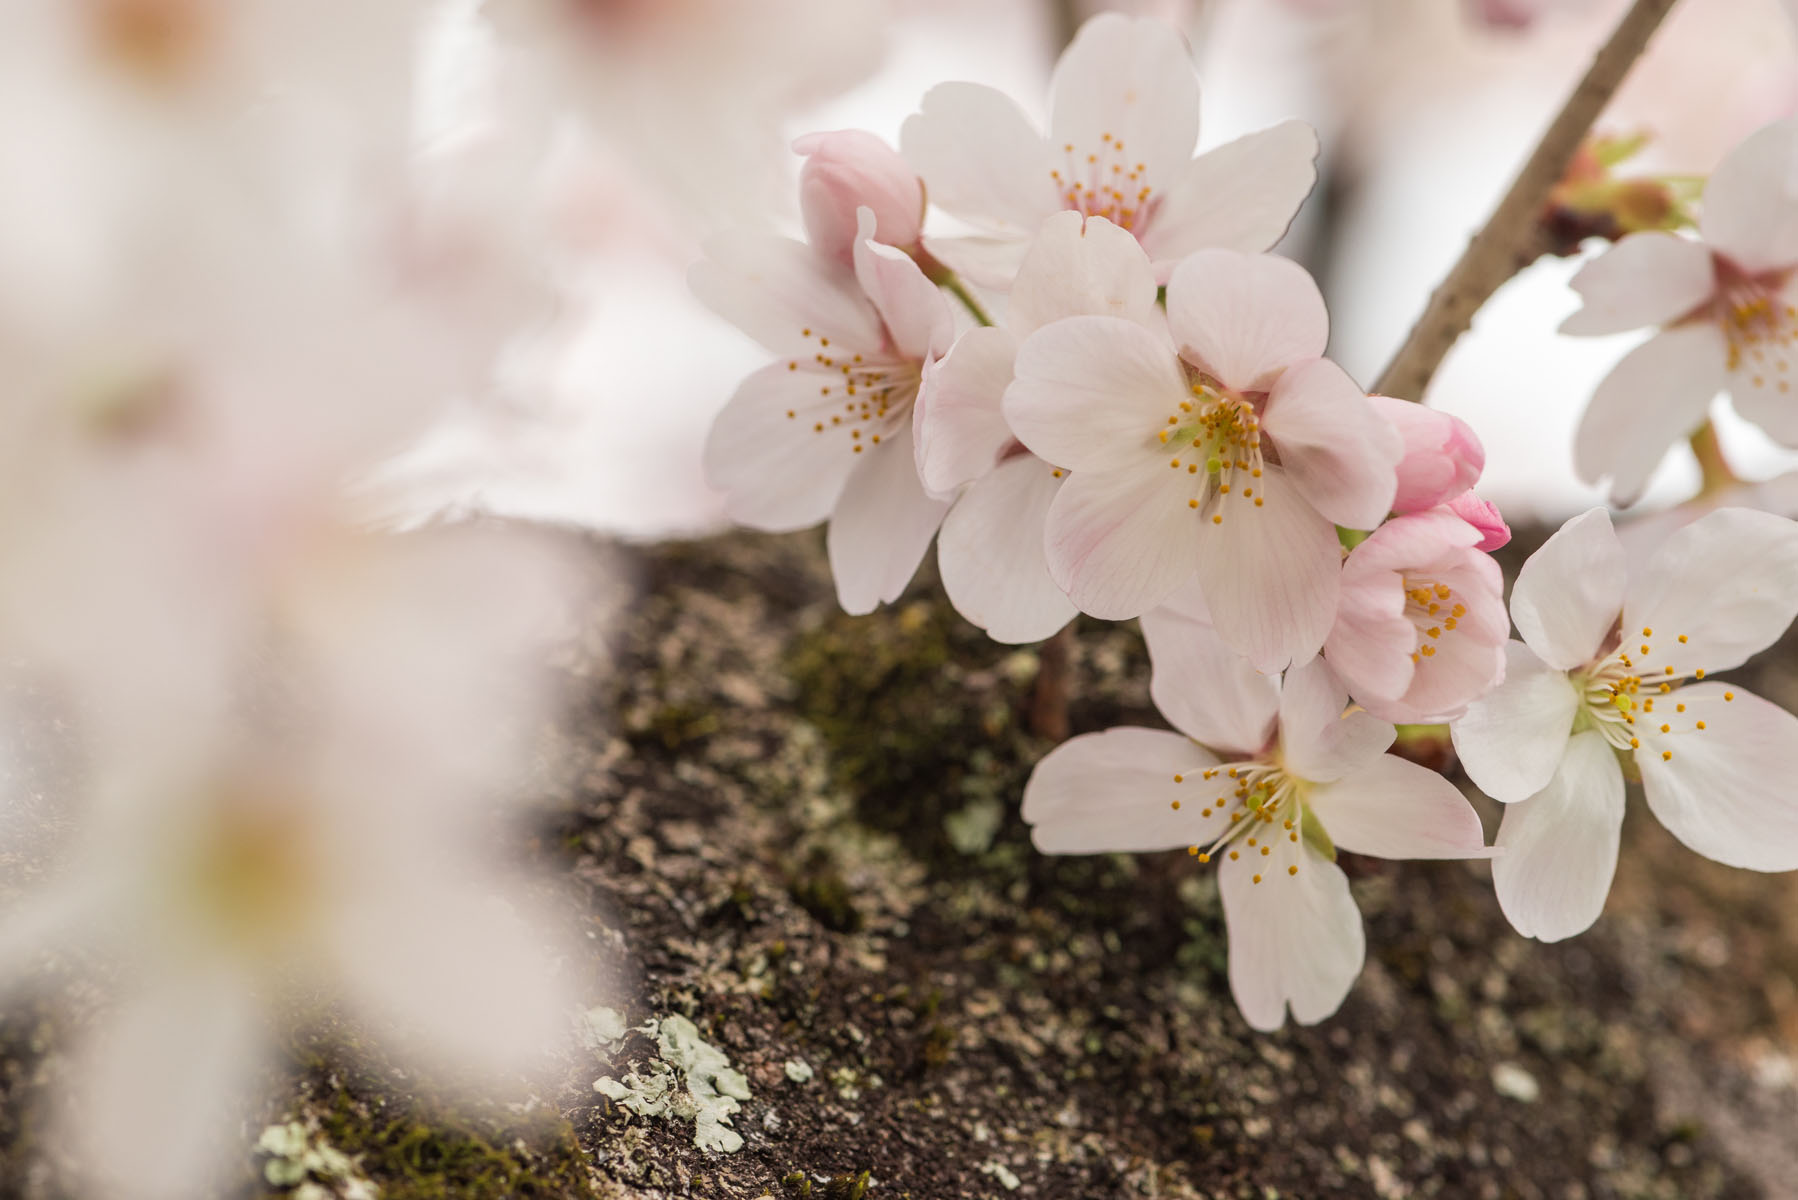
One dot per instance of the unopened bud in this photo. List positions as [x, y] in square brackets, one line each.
[1484, 516]
[850, 169]
[1443, 457]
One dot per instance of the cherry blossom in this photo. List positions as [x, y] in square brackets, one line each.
[1609, 680]
[1726, 312]
[826, 432]
[1269, 777]
[1421, 628]
[991, 552]
[1124, 121]
[1443, 457]
[846, 171]
[1235, 458]
[1484, 516]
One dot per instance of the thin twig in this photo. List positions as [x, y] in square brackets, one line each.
[1511, 240]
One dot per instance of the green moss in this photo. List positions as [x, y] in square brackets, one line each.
[439, 1156]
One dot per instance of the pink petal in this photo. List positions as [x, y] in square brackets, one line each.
[1750, 209]
[1726, 792]
[1727, 584]
[1244, 318]
[785, 295]
[1124, 82]
[1295, 938]
[778, 472]
[850, 169]
[1484, 516]
[1656, 395]
[1115, 791]
[1337, 450]
[1205, 689]
[1271, 574]
[1442, 455]
[881, 527]
[1092, 392]
[1511, 740]
[990, 553]
[1318, 742]
[959, 424]
[1560, 845]
[914, 310]
[1119, 542]
[1081, 267]
[1241, 195]
[1643, 279]
[1570, 592]
[981, 159]
[1391, 808]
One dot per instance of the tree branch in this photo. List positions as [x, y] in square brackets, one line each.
[1511, 239]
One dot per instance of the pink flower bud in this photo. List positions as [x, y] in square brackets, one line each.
[1443, 457]
[1483, 515]
[850, 169]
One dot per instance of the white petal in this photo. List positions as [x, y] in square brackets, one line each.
[1727, 790]
[990, 261]
[1560, 845]
[1512, 739]
[990, 553]
[958, 420]
[1295, 939]
[1728, 583]
[1644, 279]
[1317, 741]
[1392, 808]
[981, 159]
[1092, 392]
[785, 295]
[1653, 397]
[1116, 791]
[1271, 574]
[1760, 384]
[1125, 91]
[1205, 689]
[1569, 593]
[1335, 447]
[1750, 210]
[914, 310]
[1244, 318]
[1119, 542]
[778, 472]
[1239, 196]
[1081, 267]
[881, 527]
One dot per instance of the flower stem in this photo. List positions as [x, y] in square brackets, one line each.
[1511, 239]
[1713, 468]
[953, 284]
[1054, 682]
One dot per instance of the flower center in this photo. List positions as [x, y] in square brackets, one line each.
[861, 401]
[1104, 183]
[1215, 441]
[1626, 695]
[1432, 608]
[1266, 810]
[1758, 323]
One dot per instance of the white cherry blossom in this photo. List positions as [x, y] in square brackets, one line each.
[1610, 680]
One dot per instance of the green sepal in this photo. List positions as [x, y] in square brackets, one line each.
[1315, 836]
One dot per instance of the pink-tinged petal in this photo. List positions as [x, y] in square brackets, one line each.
[1643, 279]
[1718, 590]
[1570, 592]
[1271, 574]
[777, 472]
[1125, 93]
[990, 262]
[1119, 542]
[1511, 740]
[1240, 196]
[785, 295]
[1484, 516]
[1371, 644]
[1091, 393]
[1750, 212]
[1205, 689]
[958, 420]
[1318, 742]
[1726, 790]
[1560, 845]
[1295, 937]
[1761, 383]
[1336, 449]
[914, 310]
[1244, 318]
[981, 159]
[1653, 397]
[1392, 808]
[881, 527]
[850, 169]
[1442, 456]
[1081, 267]
[990, 553]
[1115, 791]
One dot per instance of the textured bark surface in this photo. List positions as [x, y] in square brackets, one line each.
[799, 830]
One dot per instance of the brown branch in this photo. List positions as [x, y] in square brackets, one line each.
[1511, 239]
[1054, 686]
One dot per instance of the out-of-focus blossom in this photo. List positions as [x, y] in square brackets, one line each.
[1443, 456]
[1590, 200]
[1484, 516]
[1420, 630]
[990, 552]
[1270, 776]
[826, 432]
[1125, 119]
[1602, 685]
[1727, 308]
[848, 170]
[1232, 458]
